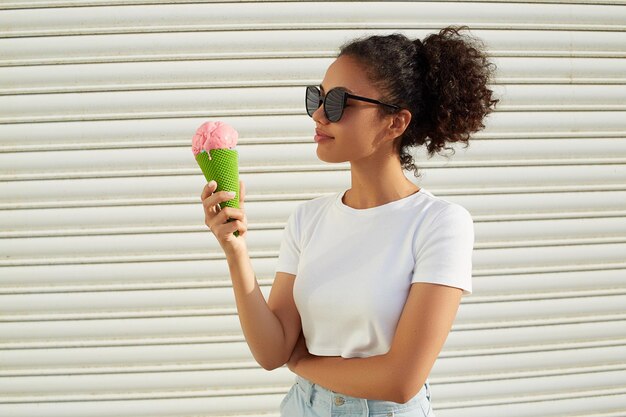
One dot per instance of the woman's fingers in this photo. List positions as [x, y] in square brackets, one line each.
[217, 218]
[208, 190]
[241, 226]
[214, 199]
[211, 203]
[230, 213]
[219, 223]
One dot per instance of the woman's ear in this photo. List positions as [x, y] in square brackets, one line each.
[399, 123]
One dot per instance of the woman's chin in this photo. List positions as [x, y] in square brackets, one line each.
[328, 157]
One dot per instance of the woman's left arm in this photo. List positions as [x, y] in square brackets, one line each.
[399, 374]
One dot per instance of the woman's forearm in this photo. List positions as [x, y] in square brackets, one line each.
[261, 328]
[371, 377]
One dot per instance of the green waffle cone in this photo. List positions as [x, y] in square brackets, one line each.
[223, 168]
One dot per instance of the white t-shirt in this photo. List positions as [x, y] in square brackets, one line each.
[354, 267]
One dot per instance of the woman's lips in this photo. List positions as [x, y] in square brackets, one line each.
[318, 138]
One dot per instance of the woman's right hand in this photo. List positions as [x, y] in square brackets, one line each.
[216, 217]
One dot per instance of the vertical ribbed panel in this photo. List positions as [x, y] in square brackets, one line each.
[115, 300]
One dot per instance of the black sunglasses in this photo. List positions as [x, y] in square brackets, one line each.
[334, 102]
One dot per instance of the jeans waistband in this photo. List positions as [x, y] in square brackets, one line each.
[316, 393]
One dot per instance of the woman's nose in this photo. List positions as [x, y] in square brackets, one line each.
[319, 115]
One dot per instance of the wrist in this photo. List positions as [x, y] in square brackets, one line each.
[233, 252]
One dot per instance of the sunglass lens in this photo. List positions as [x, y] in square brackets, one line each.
[334, 105]
[313, 101]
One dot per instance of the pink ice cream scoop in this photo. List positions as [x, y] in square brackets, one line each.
[213, 135]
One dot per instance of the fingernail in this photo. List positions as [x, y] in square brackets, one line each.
[212, 183]
[231, 193]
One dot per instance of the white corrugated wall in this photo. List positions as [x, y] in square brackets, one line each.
[115, 300]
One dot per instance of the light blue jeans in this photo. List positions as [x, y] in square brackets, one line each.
[306, 399]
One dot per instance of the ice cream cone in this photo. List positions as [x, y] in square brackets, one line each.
[223, 167]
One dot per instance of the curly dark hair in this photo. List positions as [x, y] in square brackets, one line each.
[442, 81]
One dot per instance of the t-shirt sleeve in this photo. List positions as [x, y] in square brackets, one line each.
[444, 250]
[289, 253]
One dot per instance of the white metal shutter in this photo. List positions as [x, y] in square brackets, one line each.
[116, 301]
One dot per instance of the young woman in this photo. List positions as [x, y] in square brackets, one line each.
[368, 280]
